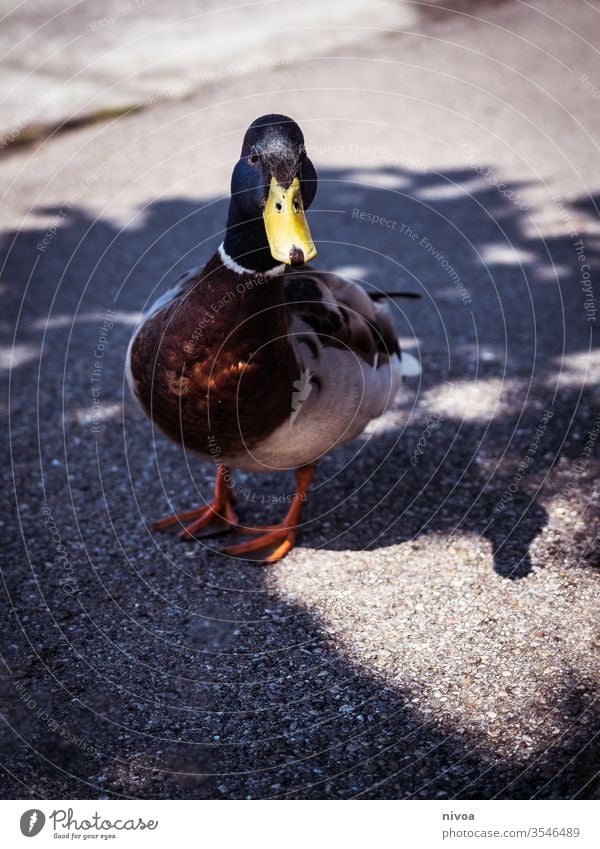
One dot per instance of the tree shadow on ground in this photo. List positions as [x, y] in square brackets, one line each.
[147, 683]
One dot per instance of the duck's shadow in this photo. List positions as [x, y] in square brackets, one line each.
[489, 292]
[497, 320]
[489, 295]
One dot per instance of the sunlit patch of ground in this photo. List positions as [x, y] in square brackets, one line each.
[475, 653]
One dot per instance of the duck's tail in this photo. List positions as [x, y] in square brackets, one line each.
[379, 296]
[411, 367]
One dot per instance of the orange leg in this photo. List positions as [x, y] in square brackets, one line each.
[215, 518]
[276, 541]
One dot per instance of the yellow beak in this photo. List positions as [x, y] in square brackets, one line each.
[287, 231]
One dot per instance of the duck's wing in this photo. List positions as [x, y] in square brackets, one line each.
[348, 352]
[341, 314]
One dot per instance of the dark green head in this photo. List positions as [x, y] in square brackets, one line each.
[272, 184]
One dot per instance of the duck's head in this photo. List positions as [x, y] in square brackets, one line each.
[272, 184]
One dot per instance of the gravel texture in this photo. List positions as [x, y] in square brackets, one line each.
[435, 633]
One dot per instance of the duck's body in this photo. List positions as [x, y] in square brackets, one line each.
[264, 372]
[263, 368]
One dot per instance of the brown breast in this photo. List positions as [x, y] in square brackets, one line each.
[214, 368]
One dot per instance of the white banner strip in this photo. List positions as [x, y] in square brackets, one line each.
[295, 825]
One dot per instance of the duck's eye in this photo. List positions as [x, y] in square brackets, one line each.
[253, 158]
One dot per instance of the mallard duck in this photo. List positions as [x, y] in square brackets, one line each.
[256, 361]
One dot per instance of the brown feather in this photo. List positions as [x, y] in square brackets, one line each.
[213, 368]
[341, 314]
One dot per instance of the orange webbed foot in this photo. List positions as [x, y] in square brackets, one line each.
[212, 519]
[275, 541]
[268, 547]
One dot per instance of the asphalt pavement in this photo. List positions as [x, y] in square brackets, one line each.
[435, 632]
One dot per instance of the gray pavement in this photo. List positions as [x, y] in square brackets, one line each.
[435, 633]
[64, 62]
